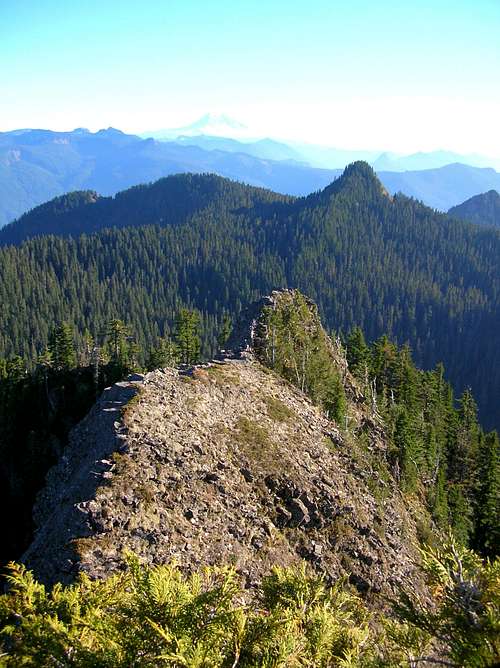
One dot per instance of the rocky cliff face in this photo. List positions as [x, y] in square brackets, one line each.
[223, 463]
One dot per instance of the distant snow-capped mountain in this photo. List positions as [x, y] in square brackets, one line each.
[214, 125]
[209, 130]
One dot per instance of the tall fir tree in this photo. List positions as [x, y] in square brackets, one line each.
[187, 336]
[358, 353]
[486, 537]
[62, 347]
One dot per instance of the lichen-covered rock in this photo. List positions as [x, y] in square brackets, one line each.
[223, 463]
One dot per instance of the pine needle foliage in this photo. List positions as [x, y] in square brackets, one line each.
[463, 614]
[294, 344]
[160, 617]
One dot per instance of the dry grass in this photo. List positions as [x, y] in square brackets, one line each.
[128, 408]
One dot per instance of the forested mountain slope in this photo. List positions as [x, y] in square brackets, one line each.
[390, 265]
[482, 209]
[37, 165]
[169, 201]
[290, 459]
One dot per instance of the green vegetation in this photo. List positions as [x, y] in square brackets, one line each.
[437, 449]
[464, 612]
[160, 617]
[437, 452]
[277, 410]
[254, 439]
[389, 265]
[41, 402]
[291, 340]
[187, 336]
[165, 353]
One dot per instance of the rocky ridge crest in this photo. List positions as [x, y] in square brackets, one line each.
[221, 463]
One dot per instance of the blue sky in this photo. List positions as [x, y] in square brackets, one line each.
[375, 74]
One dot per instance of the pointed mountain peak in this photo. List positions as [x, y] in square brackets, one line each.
[493, 195]
[358, 177]
[362, 169]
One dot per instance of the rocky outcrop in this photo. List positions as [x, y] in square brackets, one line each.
[250, 335]
[228, 462]
[221, 463]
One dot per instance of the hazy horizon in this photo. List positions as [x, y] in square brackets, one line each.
[380, 76]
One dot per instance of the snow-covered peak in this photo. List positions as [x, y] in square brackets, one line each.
[218, 125]
[214, 125]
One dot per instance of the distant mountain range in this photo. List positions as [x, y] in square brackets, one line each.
[443, 187]
[417, 161]
[38, 165]
[267, 149]
[482, 209]
[220, 126]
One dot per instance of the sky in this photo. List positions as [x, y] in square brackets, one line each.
[402, 76]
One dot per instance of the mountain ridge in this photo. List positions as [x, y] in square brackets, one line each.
[226, 461]
[37, 165]
[212, 244]
[483, 209]
[174, 198]
[170, 200]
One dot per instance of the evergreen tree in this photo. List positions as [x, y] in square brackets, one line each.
[335, 401]
[409, 453]
[87, 349]
[486, 538]
[117, 335]
[296, 346]
[358, 353]
[225, 331]
[16, 370]
[460, 513]
[187, 336]
[439, 499]
[164, 354]
[465, 446]
[62, 348]
[123, 351]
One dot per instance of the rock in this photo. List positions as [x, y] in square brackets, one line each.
[135, 377]
[247, 474]
[317, 549]
[199, 471]
[284, 515]
[300, 514]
